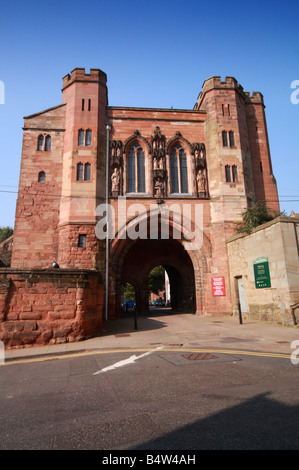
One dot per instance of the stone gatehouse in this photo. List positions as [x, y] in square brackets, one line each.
[208, 160]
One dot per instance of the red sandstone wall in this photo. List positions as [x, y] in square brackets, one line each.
[40, 210]
[264, 181]
[37, 212]
[78, 206]
[39, 307]
[73, 256]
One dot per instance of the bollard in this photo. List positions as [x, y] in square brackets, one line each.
[240, 314]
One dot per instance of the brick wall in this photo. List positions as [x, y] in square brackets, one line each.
[39, 307]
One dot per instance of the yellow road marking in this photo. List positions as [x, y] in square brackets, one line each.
[115, 351]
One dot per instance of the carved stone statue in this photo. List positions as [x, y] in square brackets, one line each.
[115, 180]
[201, 181]
[161, 163]
[159, 189]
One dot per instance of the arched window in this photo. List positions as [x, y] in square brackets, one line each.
[136, 170]
[80, 172]
[231, 139]
[224, 139]
[178, 171]
[83, 172]
[82, 241]
[81, 137]
[87, 172]
[174, 176]
[48, 143]
[231, 174]
[227, 174]
[88, 139]
[235, 173]
[131, 171]
[41, 176]
[140, 171]
[40, 142]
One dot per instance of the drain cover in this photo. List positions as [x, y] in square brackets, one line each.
[199, 356]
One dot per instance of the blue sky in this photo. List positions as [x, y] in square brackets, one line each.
[155, 54]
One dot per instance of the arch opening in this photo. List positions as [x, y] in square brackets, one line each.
[157, 287]
[128, 295]
[138, 262]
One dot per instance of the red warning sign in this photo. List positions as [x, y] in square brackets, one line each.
[218, 286]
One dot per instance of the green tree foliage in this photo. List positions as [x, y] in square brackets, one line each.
[5, 254]
[128, 291]
[256, 214]
[5, 232]
[156, 282]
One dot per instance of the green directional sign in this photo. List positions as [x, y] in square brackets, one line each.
[261, 273]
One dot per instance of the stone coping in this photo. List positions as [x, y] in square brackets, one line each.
[264, 226]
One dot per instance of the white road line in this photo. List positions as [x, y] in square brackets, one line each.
[126, 362]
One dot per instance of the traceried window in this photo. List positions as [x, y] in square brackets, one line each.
[136, 170]
[178, 171]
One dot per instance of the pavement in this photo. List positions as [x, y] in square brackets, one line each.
[163, 328]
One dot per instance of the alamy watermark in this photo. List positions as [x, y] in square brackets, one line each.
[2, 353]
[295, 354]
[2, 92]
[295, 93]
[135, 221]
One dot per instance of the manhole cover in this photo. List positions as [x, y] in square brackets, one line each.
[199, 356]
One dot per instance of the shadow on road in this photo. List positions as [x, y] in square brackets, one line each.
[129, 322]
[260, 423]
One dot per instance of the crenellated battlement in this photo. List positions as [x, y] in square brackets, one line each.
[217, 82]
[254, 97]
[229, 83]
[79, 75]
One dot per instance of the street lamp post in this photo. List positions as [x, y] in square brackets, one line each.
[108, 129]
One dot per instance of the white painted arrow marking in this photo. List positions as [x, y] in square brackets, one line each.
[126, 362]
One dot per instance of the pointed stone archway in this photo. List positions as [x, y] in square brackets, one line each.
[143, 256]
[132, 261]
